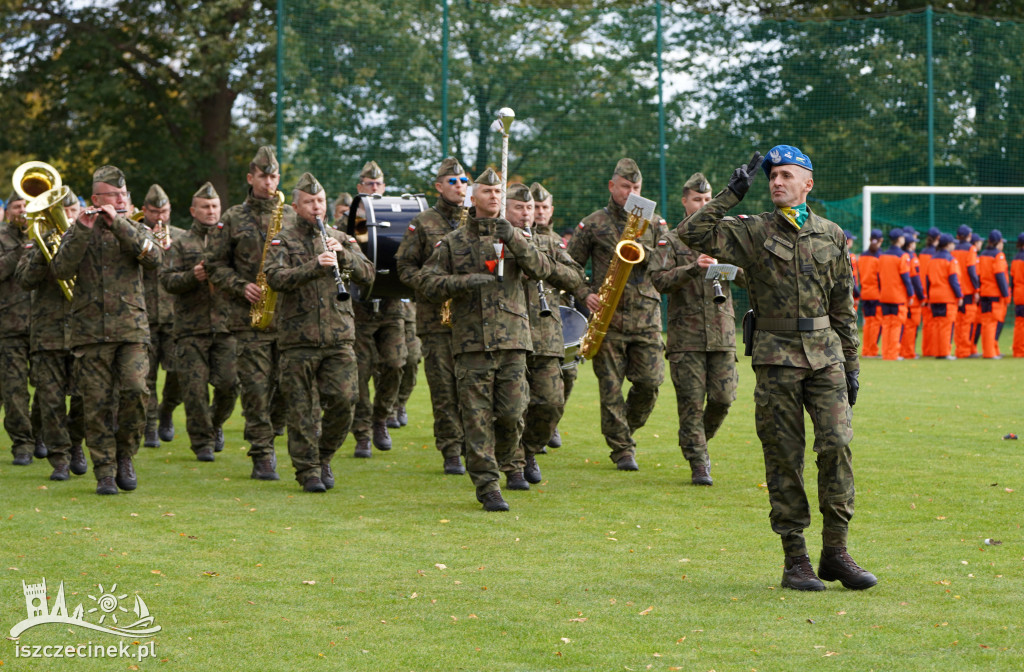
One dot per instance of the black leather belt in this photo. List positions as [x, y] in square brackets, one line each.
[792, 323]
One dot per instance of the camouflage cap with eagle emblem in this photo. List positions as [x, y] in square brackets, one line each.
[371, 170]
[519, 192]
[69, 200]
[309, 184]
[538, 192]
[628, 169]
[111, 175]
[206, 191]
[488, 177]
[697, 183]
[156, 197]
[266, 160]
[344, 199]
[449, 166]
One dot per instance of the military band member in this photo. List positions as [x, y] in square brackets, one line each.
[51, 361]
[341, 204]
[156, 210]
[233, 258]
[490, 331]
[318, 367]
[422, 236]
[15, 326]
[544, 364]
[804, 353]
[105, 252]
[701, 337]
[632, 348]
[205, 346]
[380, 350]
[410, 371]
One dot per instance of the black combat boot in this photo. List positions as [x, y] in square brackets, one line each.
[78, 464]
[363, 448]
[60, 473]
[514, 481]
[166, 429]
[556, 439]
[381, 437]
[263, 470]
[22, 459]
[392, 421]
[326, 475]
[493, 501]
[126, 479]
[106, 486]
[799, 575]
[151, 440]
[532, 471]
[700, 474]
[313, 484]
[453, 465]
[41, 450]
[205, 454]
[402, 416]
[627, 463]
[836, 564]
[218, 440]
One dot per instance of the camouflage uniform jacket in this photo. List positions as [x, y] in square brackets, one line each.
[160, 302]
[791, 273]
[695, 322]
[200, 309]
[493, 317]
[234, 255]
[639, 309]
[566, 275]
[15, 302]
[110, 300]
[418, 244]
[308, 303]
[51, 311]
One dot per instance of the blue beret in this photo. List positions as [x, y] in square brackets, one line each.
[945, 239]
[995, 235]
[784, 155]
[896, 233]
[876, 234]
[963, 230]
[849, 234]
[934, 232]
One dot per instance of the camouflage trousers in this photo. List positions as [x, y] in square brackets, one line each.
[781, 394]
[493, 394]
[204, 362]
[59, 428]
[545, 408]
[381, 349]
[410, 371]
[439, 367]
[162, 353]
[111, 377]
[698, 376]
[16, 399]
[259, 378]
[569, 379]
[639, 359]
[321, 386]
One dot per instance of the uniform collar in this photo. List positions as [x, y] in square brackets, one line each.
[616, 211]
[260, 205]
[446, 209]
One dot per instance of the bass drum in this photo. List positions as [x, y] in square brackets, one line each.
[574, 326]
[378, 223]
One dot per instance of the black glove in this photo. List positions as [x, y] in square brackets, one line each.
[503, 229]
[475, 280]
[744, 176]
[852, 386]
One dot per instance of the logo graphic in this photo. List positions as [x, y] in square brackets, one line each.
[111, 617]
[775, 156]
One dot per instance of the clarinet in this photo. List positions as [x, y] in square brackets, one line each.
[343, 294]
[545, 309]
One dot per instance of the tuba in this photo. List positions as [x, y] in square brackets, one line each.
[261, 313]
[628, 253]
[47, 224]
[34, 178]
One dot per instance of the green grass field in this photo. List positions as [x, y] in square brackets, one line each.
[398, 568]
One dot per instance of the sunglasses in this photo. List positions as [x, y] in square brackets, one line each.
[455, 180]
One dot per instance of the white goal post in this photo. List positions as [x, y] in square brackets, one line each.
[936, 191]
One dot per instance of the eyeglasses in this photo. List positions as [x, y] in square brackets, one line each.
[456, 180]
[126, 195]
[374, 183]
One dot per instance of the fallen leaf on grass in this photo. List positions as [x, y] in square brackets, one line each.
[309, 583]
[155, 571]
[441, 566]
[211, 573]
[566, 640]
[168, 515]
[578, 620]
[646, 611]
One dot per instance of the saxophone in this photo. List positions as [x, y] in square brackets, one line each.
[446, 308]
[628, 253]
[261, 313]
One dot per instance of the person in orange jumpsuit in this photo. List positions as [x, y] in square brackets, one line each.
[894, 291]
[923, 257]
[867, 269]
[995, 286]
[976, 242]
[967, 258]
[908, 340]
[942, 284]
[1017, 282]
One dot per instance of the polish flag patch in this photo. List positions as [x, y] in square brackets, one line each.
[582, 225]
[220, 225]
[412, 227]
[662, 242]
[527, 233]
[351, 240]
[437, 244]
[29, 245]
[743, 216]
[562, 245]
[275, 241]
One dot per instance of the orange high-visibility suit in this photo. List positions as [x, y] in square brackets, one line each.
[867, 268]
[927, 347]
[894, 290]
[967, 258]
[908, 341]
[1017, 280]
[994, 287]
[943, 286]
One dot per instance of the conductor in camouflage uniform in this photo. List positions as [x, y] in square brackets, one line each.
[15, 327]
[804, 353]
[632, 348]
[234, 255]
[701, 337]
[106, 252]
[318, 368]
[51, 362]
[490, 331]
[423, 234]
[544, 364]
[205, 346]
[156, 212]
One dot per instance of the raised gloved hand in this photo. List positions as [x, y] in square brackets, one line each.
[503, 229]
[852, 386]
[744, 176]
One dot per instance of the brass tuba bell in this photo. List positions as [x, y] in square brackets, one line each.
[34, 178]
[47, 224]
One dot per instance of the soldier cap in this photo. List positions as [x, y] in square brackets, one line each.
[488, 177]
[963, 230]
[519, 192]
[371, 170]
[995, 235]
[15, 196]
[449, 166]
[206, 191]
[628, 169]
[785, 155]
[111, 175]
[70, 200]
[538, 192]
[309, 184]
[697, 183]
[266, 160]
[156, 197]
[945, 239]
[344, 199]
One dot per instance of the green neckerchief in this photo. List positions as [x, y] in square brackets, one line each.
[796, 215]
